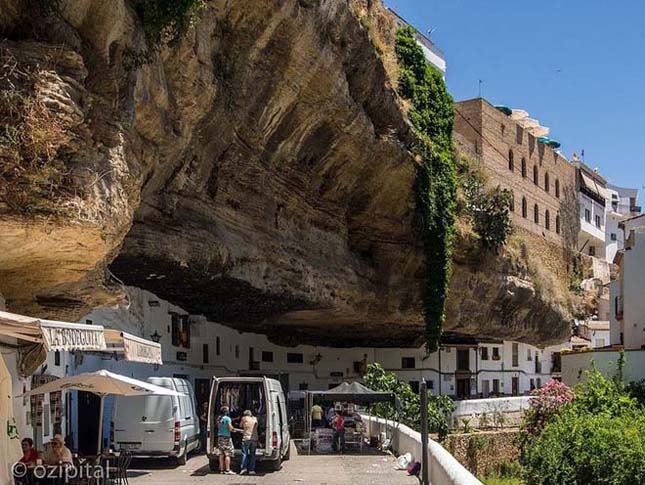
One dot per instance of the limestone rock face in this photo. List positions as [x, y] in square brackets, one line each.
[257, 174]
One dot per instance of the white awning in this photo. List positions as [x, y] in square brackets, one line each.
[136, 349]
[64, 336]
[51, 334]
[594, 186]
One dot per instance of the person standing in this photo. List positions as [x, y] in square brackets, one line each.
[203, 426]
[316, 416]
[339, 432]
[249, 425]
[225, 442]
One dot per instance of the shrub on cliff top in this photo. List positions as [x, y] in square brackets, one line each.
[431, 115]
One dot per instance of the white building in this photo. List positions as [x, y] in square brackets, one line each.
[627, 301]
[622, 204]
[593, 196]
[432, 54]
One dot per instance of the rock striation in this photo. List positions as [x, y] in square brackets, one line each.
[258, 174]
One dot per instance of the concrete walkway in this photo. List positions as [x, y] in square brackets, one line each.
[319, 469]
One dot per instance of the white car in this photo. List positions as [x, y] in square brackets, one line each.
[158, 426]
[265, 399]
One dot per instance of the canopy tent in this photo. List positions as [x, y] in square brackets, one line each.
[34, 337]
[103, 383]
[353, 392]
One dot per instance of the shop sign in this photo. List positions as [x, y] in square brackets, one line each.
[66, 337]
[140, 350]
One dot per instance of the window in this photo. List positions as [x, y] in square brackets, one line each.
[588, 215]
[237, 351]
[512, 204]
[414, 385]
[598, 221]
[205, 353]
[218, 346]
[484, 353]
[547, 186]
[529, 358]
[536, 214]
[536, 175]
[524, 208]
[294, 358]
[57, 358]
[557, 224]
[303, 386]
[592, 250]
[613, 236]
[523, 167]
[180, 329]
[511, 163]
[495, 353]
[516, 354]
[557, 188]
[547, 220]
[532, 383]
[430, 384]
[408, 362]
[267, 356]
[538, 382]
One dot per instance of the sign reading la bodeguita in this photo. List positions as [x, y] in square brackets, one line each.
[140, 350]
[72, 337]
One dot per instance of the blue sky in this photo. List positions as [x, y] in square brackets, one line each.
[578, 66]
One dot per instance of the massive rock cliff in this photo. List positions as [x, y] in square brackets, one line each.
[258, 174]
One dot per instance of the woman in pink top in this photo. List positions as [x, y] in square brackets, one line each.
[339, 432]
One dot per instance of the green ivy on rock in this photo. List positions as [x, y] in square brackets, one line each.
[431, 115]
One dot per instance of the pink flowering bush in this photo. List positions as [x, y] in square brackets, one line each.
[545, 403]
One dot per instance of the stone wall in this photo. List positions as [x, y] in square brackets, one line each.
[493, 136]
[484, 453]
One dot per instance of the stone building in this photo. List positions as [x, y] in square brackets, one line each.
[516, 155]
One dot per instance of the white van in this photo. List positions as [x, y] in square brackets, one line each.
[158, 426]
[264, 397]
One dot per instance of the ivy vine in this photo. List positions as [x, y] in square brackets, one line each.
[431, 115]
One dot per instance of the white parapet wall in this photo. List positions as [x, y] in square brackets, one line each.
[496, 412]
[575, 365]
[444, 468]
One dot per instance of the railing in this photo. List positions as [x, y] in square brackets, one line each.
[443, 467]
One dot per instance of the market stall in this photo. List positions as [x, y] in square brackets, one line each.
[353, 393]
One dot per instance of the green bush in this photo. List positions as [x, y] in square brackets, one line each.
[432, 115]
[598, 437]
[488, 210]
[588, 449]
[440, 408]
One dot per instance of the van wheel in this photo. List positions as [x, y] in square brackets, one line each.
[276, 465]
[287, 455]
[181, 460]
[213, 465]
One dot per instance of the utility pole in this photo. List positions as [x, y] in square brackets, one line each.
[423, 390]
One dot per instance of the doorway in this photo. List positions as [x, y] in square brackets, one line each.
[463, 359]
[463, 388]
[515, 385]
[202, 391]
[88, 416]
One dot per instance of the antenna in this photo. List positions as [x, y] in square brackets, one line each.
[480, 87]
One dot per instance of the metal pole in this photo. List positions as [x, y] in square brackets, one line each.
[98, 445]
[423, 390]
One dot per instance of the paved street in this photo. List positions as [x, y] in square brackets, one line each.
[321, 469]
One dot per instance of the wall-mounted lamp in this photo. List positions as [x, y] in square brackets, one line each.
[155, 337]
